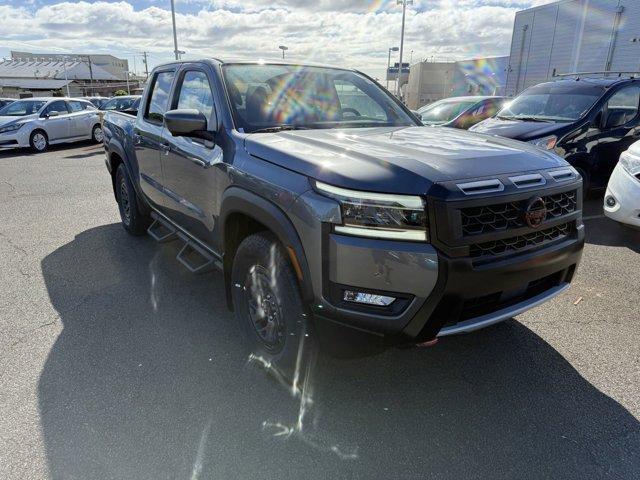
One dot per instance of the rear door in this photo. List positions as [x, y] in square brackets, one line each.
[58, 126]
[82, 118]
[147, 136]
[190, 164]
[615, 140]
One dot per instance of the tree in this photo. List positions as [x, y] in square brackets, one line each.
[120, 93]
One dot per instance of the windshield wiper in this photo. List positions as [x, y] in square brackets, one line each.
[278, 128]
[525, 119]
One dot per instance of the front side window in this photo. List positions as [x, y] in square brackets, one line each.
[195, 93]
[159, 99]
[59, 106]
[625, 103]
[22, 107]
[266, 96]
[120, 104]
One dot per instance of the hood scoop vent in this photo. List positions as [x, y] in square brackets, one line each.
[562, 175]
[525, 181]
[481, 186]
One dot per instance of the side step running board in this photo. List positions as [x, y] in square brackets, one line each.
[195, 258]
[161, 232]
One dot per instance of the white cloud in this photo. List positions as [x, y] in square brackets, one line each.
[330, 31]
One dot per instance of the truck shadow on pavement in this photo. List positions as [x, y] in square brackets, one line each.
[149, 380]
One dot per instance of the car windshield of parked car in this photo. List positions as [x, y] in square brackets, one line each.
[119, 103]
[546, 104]
[444, 110]
[22, 107]
[267, 97]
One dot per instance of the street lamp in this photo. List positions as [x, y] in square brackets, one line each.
[175, 35]
[404, 4]
[392, 49]
[283, 48]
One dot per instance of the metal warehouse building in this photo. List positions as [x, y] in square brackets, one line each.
[573, 36]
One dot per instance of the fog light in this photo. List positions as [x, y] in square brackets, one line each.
[610, 201]
[368, 298]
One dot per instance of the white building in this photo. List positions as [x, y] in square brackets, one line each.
[572, 36]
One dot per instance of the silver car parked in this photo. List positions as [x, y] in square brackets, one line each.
[40, 122]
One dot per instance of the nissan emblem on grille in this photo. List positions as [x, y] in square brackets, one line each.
[535, 212]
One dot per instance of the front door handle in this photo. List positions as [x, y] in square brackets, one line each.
[165, 147]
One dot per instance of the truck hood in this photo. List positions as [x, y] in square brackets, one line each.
[516, 129]
[396, 159]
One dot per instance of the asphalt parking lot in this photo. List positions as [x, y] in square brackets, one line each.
[116, 363]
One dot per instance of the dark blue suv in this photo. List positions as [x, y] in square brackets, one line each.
[588, 121]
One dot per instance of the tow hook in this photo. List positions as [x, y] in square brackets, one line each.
[428, 343]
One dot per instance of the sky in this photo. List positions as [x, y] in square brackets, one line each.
[348, 33]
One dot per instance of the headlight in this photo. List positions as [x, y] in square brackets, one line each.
[546, 143]
[630, 163]
[11, 128]
[379, 215]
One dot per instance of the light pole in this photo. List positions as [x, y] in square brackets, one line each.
[64, 60]
[283, 48]
[392, 49]
[127, 77]
[404, 4]
[175, 35]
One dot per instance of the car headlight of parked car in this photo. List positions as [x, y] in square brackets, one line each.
[630, 163]
[546, 143]
[379, 215]
[11, 128]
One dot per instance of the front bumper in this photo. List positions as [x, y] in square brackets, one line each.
[16, 139]
[625, 189]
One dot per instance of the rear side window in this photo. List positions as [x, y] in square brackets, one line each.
[76, 106]
[625, 101]
[159, 96]
[195, 92]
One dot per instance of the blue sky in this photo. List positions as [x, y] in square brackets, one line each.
[353, 33]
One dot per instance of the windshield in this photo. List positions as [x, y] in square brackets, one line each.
[22, 107]
[120, 103]
[551, 106]
[444, 110]
[290, 96]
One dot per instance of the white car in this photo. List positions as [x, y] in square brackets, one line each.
[622, 200]
[40, 122]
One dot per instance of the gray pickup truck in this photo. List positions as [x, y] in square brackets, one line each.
[325, 203]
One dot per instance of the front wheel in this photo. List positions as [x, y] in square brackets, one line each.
[269, 308]
[39, 141]
[97, 135]
[133, 220]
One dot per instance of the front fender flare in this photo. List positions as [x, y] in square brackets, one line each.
[239, 200]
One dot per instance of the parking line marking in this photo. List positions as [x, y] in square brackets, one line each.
[592, 217]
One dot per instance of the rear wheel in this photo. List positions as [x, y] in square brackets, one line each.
[269, 308]
[133, 220]
[97, 134]
[39, 141]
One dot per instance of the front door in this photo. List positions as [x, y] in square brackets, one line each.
[56, 126]
[147, 137]
[191, 165]
[616, 139]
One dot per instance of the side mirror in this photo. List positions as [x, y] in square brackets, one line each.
[615, 119]
[52, 113]
[187, 123]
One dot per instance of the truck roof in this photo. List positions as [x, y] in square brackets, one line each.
[260, 61]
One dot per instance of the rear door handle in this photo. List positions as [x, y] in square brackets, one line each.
[165, 147]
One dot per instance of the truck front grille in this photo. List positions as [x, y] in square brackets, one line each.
[521, 242]
[506, 216]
